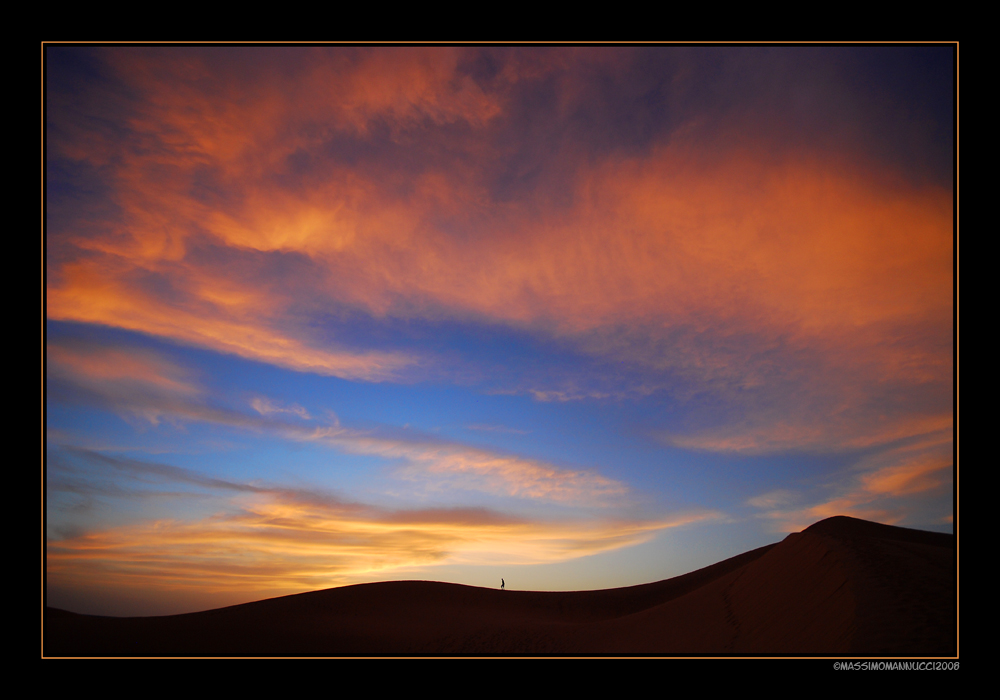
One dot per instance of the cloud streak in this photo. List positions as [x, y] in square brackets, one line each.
[887, 486]
[438, 464]
[266, 407]
[277, 540]
[446, 465]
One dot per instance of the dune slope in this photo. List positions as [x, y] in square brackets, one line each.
[841, 586]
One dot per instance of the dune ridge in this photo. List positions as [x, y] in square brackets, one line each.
[842, 586]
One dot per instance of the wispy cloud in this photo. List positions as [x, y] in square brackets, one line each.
[109, 292]
[274, 539]
[449, 465]
[773, 499]
[139, 470]
[915, 476]
[114, 369]
[436, 463]
[266, 407]
[886, 486]
[809, 434]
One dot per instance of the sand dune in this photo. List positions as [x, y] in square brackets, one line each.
[842, 586]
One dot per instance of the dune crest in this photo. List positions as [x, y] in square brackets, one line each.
[842, 586]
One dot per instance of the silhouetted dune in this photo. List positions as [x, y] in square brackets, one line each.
[842, 586]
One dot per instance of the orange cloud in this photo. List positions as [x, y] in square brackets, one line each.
[810, 432]
[710, 262]
[804, 251]
[888, 484]
[92, 293]
[279, 543]
[913, 477]
[98, 365]
[250, 109]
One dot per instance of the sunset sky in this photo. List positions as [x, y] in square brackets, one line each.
[574, 317]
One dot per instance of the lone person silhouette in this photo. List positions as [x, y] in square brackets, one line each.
[501, 584]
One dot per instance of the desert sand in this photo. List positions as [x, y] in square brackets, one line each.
[841, 587]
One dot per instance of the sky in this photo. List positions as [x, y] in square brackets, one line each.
[576, 318]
